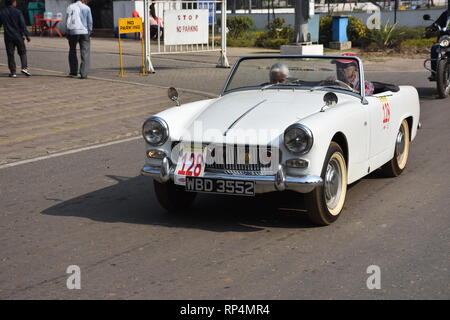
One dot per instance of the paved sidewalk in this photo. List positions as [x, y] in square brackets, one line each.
[49, 112]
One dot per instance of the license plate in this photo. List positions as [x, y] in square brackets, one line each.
[190, 163]
[236, 187]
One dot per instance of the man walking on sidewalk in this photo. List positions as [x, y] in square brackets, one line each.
[79, 28]
[15, 31]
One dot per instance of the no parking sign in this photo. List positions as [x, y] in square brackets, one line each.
[130, 25]
[185, 27]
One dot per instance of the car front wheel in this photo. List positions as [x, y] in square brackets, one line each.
[395, 167]
[172, 197]
[326, 202]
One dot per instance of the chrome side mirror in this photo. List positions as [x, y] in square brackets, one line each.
[172, 93]
[330, 99]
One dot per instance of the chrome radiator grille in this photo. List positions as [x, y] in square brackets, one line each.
[242, 159]
[238, 159]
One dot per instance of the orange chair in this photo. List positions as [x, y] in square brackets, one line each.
[37, 24]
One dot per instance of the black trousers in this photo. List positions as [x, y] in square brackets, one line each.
[434, 56]
[11, 45]
[84, 41]
[154, 32]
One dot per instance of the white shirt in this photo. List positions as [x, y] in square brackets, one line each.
[78, 19]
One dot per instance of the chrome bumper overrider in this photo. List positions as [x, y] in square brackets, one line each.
[263, 184]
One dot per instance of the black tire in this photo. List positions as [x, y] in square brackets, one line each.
[172, 197]
[397, 164]
[321, 211]
[443, 78]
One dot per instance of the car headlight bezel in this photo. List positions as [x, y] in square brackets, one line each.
[444, 41]
[160, 124]
[308, 138]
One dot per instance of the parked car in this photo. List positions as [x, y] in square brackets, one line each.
[282, 123]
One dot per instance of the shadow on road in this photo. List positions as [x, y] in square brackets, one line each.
[131, 200]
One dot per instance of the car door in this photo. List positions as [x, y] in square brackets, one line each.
[358, 136]
[380, 116]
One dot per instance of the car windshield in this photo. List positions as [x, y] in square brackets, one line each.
[341, 73]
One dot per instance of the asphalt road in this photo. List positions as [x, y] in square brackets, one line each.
[94, 210]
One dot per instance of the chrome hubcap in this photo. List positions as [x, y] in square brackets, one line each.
[333, 183]
[400, 145]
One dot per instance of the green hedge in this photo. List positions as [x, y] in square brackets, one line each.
[417, 45]
[399, 40]
[277, 34]
[273, 43]
[240, 43]
[247, 40]
[241, 35]
[238, 26]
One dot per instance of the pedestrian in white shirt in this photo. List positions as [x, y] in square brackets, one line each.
[79, 29]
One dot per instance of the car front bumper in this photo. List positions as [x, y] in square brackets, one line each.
[263, 184]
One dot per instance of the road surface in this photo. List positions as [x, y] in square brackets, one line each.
[93, 209]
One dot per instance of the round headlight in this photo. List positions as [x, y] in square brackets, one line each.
[155, 131]
[298, 139]
[444, 41]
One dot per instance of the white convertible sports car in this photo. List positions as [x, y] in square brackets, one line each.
[309, 124]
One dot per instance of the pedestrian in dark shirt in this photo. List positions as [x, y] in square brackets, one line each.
[15, 31]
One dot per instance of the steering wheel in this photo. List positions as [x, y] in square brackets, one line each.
[340, 83]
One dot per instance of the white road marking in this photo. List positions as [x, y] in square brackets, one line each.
[63, 153]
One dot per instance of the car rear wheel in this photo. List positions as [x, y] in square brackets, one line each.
[326, 202]
[172, 197]
[395, 167]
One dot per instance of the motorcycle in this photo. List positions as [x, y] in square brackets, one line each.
[442, 72]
